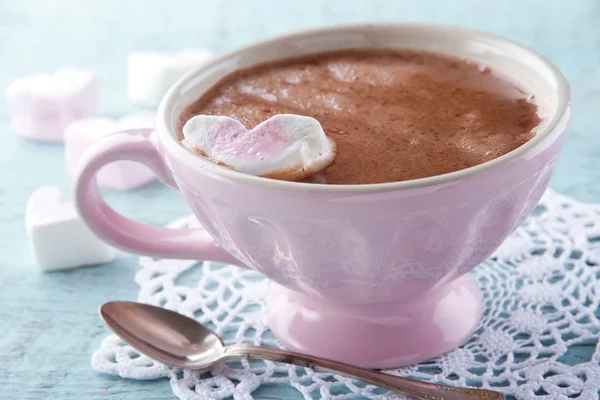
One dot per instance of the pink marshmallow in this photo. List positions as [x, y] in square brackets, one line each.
[120, 175]
[43, 105]
[286, 146]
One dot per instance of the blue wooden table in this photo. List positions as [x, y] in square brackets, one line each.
[48, 322]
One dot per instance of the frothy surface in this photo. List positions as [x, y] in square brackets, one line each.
[394, 115]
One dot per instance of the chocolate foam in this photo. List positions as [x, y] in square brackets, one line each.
[394, 115]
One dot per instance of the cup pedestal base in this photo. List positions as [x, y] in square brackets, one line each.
[377, 336]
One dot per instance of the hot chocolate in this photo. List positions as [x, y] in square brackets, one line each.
[394, 115]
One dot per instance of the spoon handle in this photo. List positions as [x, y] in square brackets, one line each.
[398, 384]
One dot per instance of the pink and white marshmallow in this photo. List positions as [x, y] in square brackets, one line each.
[120, 175]
[151, 73]
[58, 238]
[43, 105]
[286, 146]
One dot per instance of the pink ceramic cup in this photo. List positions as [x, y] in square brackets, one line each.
[372, 275]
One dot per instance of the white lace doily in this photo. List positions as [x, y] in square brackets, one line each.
[538, 338]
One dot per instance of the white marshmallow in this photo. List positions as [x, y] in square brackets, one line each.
[58, 238]
[286, 146]
[151, 73]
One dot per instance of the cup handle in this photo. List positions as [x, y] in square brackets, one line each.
[122, 232]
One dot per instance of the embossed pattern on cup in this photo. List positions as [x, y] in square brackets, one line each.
[377, 247]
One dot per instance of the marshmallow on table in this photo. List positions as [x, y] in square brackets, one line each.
[120, 175]
[286, 146]
[151, 73]
[43, 105]
[58, 238]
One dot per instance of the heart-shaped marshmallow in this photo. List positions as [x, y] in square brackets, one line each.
[43, 105]
[286, 146]
[151, 73]
[58, 238]
[120, 175]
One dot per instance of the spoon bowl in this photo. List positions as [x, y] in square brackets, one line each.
[182, 342]
[164, 335]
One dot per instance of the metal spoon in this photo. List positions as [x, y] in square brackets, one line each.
[182, 342]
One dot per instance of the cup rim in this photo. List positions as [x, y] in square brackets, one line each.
[206, 166]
